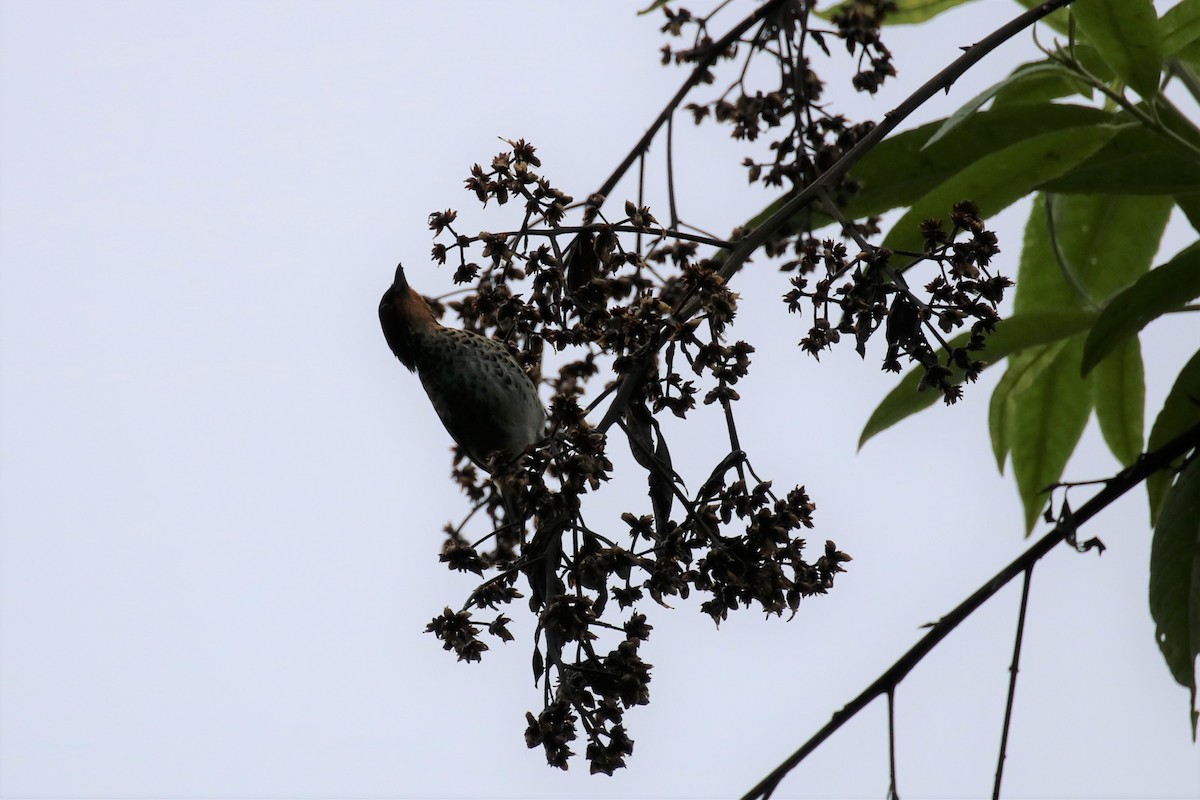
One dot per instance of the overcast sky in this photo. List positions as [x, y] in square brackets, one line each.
[222, 496]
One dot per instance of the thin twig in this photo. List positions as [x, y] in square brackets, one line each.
[1012, 681]
[661, 233]
[641, 201]
[674, 210]
[1150, 120]
[1118, 485]
[893, 792]
[715, 50]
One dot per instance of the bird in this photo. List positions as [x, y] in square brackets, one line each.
[486, 402]
[489, 407]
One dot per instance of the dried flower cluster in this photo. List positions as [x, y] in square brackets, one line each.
[586, 297]
[590, 299]
[807, 140]
[873, 295]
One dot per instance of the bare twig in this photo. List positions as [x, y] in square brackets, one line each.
[661, 233]
[893, 792]
[1116, 486]
[1012, 681]
[698, 73]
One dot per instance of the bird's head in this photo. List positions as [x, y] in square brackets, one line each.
[402, 314]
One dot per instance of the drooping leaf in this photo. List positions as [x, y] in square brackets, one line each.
[1014, 334]
[1041, 282]
[1023, 369]
[1180, 411]
[1126, 34]
[1120, 397]
[999, 179]
[1175, 121]
[1104, 243]
[908, 12]
[1179, 26]
[1038, 82]
[1175, 581]
[1189, 55]
[1049, 418]
[1024, 74]
[1067, 81]
[1001, 408]
[1136, 161]
[1123, 239]
[899, 171]
[1163, 289]
[1189, 204]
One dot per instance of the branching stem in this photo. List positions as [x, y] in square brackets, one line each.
[1118, 485]
[1012, 681]
[746, 247]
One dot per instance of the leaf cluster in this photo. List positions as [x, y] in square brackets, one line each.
[1093, 134]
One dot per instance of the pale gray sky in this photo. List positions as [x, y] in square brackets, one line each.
[221, 495]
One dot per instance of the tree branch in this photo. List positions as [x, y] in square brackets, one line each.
[1119, 484]
[1012, 682]
[940, 82]
[774, 223]
[698, 73]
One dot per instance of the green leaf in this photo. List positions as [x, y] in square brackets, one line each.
[1180, 411]
[1173, 119]
[1127, 36]
[1120, 387]
[1189, 55]
[1118, 240]
[898, 171]
[1041, 283]
[1105, 242]
[1049, 419]
[1038, 82]
[1136, 161]
[1023, 369]
[999, 179]
[1022, 74]
[1001, 408]
[1189, 204]
[1179, 27]
[1057, 21]
[1163, 289]
[1175, 582]
[908, 12]
[1012, 335]
[653, 6]
[1070, 82]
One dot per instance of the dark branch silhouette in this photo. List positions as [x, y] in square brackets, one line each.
[771, 226]
[1114, 487]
